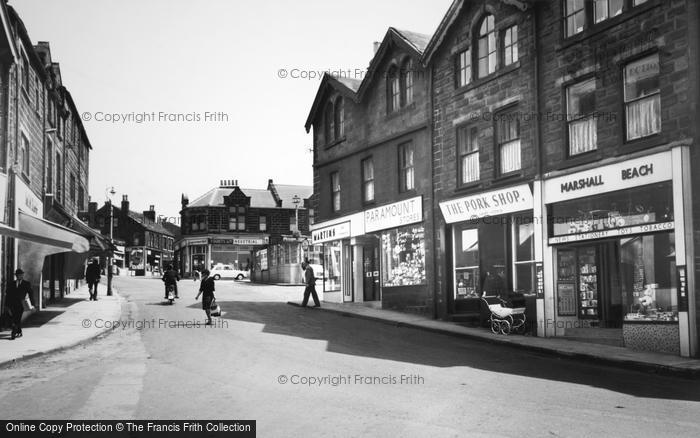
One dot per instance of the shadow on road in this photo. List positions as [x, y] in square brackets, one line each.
[359, 337]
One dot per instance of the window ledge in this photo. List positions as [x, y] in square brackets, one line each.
[508, 176]
[469, 186]
[335, 142]
[495, 75]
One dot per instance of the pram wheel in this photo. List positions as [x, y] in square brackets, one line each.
[500, 326]
[505, 327]
[495, 326]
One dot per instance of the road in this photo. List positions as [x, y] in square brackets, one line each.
[306, 372]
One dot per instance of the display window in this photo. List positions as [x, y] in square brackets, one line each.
[403, 257]
[466, 259]
[524, 280]
[332, 252]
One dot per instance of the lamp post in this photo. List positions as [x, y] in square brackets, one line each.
[296, 200]
[110, 192]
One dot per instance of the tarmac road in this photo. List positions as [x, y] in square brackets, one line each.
[306, 372]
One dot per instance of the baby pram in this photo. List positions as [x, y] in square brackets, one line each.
[504, 319]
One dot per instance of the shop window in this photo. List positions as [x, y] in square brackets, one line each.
[263, 223]
[523, 255]
[463, 68]
[604, 9]
[510, 45]
[642, 97]
[466, 261]
[487, 47]
[575, 15]
[332, 266]
[394, 90]
[508, 137]
[580, 116]
[368, 180]
[339, 118]
[335, 191]
[468, 144]
[407, 81]
[403, 257]
[648, 277]
[406, 169]
[494, 255]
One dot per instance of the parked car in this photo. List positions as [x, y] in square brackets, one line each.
[228, 271]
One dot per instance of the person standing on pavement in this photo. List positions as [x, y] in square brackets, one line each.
[15, 294]
[92, 276]
[206, 289]
[170, 276]
[310, 282]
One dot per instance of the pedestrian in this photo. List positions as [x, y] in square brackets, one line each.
[310, 282]
[15, 294]
[206, 289]
[170, 277]
[195, 274]
[92, 276]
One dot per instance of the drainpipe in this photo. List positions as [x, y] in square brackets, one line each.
[431, 109]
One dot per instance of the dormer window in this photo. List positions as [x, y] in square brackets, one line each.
[329, 124]
[407, 81]
[400, 85]
[394, 90]
[339, 118]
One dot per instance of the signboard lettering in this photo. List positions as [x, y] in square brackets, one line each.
[394, 215]
[492, 203]
[331, 232]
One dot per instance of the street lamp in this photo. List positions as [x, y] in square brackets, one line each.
[109, 191]
[296, 200]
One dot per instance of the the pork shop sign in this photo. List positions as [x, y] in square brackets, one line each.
[620, 176]
[394, 215]
[492, 203]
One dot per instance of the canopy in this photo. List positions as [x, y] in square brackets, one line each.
[37, 230]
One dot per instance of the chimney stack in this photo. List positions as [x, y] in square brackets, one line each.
[125, 205]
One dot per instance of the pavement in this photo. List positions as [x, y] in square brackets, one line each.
[64, 324]
[645, 361]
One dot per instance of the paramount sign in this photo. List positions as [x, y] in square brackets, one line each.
[394, 215]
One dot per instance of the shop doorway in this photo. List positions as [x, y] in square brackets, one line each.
[198, 262]
[370, 273]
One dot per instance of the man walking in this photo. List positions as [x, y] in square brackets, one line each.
[15, 294]
[310, 281]
[92, 276]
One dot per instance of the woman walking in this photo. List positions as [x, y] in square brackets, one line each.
[206, 289]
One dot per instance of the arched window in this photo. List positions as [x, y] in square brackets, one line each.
[339, 118]
[393, 90]
[328, 123]
[487, 47]
[407, 81]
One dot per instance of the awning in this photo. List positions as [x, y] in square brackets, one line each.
[99, 244]
[37, 230]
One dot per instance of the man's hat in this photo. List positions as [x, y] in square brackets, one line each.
[19, 271]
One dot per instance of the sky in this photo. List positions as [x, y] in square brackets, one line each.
[177, 95]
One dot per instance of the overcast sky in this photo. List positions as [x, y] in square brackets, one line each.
[218, 56]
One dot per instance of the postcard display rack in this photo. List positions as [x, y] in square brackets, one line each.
[587, 283]
[578, 277]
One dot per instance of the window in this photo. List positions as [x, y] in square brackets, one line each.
[329, 125]
[580, 108]
[464, 68]
[24, 155]
[508, 137]
[466, 260]
[604, 9]
[37, 94]
[339, 118]
[236, 219]
[510, 45]
[575, 15]
[293, 225]
[468, 146]
[639, 2]
[407, 81]
[642, 97]
[394, 90]
[368, 180]
[487, 47]
[263, 223]
[403, 257]
[25, 73]
[81, 198]
[335, 191]
[72, 188]
[59, 178]
[406, 170]
[523, 255]
[49, 166]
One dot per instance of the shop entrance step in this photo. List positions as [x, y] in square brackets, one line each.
[595, 335]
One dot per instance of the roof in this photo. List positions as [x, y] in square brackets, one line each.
[449, 19]
[7, 38]
[215, 198]
[418, 40]
[345, 86]
[287, 193]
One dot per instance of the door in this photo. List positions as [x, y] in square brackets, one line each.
[370, 272]
[197, 262]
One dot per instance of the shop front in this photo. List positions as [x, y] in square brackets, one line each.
[336, 255]
[615, 236]
[493, 249]
[236, 252]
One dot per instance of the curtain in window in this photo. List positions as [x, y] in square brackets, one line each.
[510, 156]
[643, 117]
[470, 167]
[582, 136]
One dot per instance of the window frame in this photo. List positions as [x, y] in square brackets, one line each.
[329, 123]
[472, 134]
[393, 82]
[501, 116]
[338, 118]
[407, 172]
[463, 72]
[491, 46]
[407, 84]
[512, 47]
[25, 149]
[367, 182]
[568, 121]
[262, 223]
[626, 103]
[335, 191]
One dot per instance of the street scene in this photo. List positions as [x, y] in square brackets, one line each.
[451, 218]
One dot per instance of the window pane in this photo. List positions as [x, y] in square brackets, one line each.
[470, 167]
[644, 117]
[601, 10]
[403, 257]
[580, 99]
[525, 241]
[583, 136]
[510, 156]
[642, 78]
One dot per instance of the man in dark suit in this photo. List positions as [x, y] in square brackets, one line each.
[92, 276]
[15, 293]
[310, 281]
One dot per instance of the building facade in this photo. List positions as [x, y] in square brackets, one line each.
[263, 231]
[372, 180]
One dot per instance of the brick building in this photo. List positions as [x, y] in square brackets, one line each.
[372, 180]
[43, 168]
[265, 231]
[148, 245]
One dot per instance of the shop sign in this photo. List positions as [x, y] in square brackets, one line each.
[682, 282]
[615, 232]
[262, 259]
[394, 215]
[291, 239]
[620, 176]
[197, 241]
[332, 232]
[492, 203]
[26, 200]
[239, 241]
